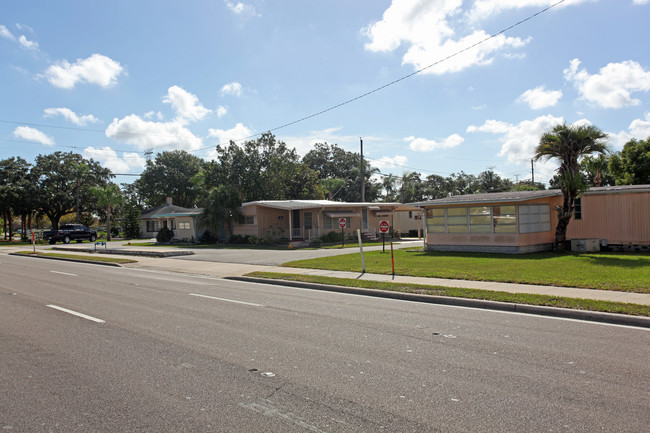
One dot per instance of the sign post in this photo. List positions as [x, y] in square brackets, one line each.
[363, 262]
[383, 228]
[342, 224]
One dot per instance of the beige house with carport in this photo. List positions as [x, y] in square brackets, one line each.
[303, 220]
[525, 221]
[184, 222]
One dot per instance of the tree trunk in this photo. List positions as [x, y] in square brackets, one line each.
[564, 215]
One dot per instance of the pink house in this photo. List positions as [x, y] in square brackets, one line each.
[525, 221]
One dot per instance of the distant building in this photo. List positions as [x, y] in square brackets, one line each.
[184, 222]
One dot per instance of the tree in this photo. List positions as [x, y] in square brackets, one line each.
[170, 175]
[16, 193]
[596, 170]
[131, 225]
[55, 178]
[631, 166]
[107, 197]
[332, 162]
[221, 209]
[410, 187]
[262, 169]
[569, 143]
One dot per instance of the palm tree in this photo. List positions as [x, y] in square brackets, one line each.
[222, 209]
[568, 144]
[107, 197]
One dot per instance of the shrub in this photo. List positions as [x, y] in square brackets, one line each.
[240, 239]
[208, 238]
[331, 237]
[164, 235]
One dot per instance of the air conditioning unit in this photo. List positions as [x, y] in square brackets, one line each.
[585, 245]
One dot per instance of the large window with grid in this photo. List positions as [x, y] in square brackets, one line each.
[473, 219]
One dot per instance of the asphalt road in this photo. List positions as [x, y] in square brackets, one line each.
[163, 352]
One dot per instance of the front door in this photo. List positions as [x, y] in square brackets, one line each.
[295, 223]
[364, 219]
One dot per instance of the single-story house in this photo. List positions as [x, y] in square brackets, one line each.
[184, 222]
[525, 221]
[302, 220]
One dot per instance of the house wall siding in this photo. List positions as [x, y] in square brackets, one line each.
[621, 218]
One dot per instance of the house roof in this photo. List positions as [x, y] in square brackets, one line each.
[170, 211]
[521, 196]
[310, 204]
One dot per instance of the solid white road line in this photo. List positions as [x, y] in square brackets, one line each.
[226, 300]
[74, 313]
[64, 273]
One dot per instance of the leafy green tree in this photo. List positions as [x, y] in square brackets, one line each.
[108, 197]
[16, 193]
[568, 144]
[596, 170]
[436, 186]
[170, 175]
[632, 165]
[131, 225]
[332, 162]
[262, 169]
[410, 188]
[56, 178]
[221, 209]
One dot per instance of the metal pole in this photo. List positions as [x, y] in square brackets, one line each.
[392, 260]
[363, 262]
[363, 176]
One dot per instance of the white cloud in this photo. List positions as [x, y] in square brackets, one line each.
[152, 114]
[484, 9]
[519, 141]
[96, 69]
[5, 33]
[539, 97]
[158, 135]
[108, 158]
[30, 45]
[435, 30]
[426, 145]
[221, 111]
[241, 9]
[233, 88]
[187, 106]
[32, 134]
[387, 162]
[303, 144]
[612, 86]
[71, 116]
[640, 128]
[224, 136]
[640, 2]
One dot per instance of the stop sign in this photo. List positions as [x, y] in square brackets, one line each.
[342, 222]
[384, 226]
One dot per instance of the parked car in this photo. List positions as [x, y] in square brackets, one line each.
[70, 232]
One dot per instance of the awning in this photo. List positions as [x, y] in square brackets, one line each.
[341, 214]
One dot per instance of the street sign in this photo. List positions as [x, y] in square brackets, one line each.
[342, 222]
[384, 226]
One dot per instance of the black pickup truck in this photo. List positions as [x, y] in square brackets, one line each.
[70, 232]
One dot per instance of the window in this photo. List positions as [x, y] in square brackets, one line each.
[480, 219]
[333, 222]
[504, 219]
[184, 226]
[534, 218]
[410, 214]
[457, 220]
[172, 223]
[436, 221]
[577, 209]
[152, 226]
[249, 220]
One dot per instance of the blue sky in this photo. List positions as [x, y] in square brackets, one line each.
[113, 79]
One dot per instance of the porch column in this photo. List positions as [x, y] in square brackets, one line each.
[290, 226]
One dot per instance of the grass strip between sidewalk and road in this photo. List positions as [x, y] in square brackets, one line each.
[88, 258]
[486, 295]
[628, 272]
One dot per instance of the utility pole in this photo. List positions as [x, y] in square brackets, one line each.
[532, 170]
[363, 176]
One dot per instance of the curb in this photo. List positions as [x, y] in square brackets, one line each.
[125, 252]
[92, 262]
[591, 316]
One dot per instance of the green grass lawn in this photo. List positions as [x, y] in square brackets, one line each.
[489, 295]
[607, 271]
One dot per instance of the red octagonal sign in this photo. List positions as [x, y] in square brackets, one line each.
[342, 222]
[384, 226]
